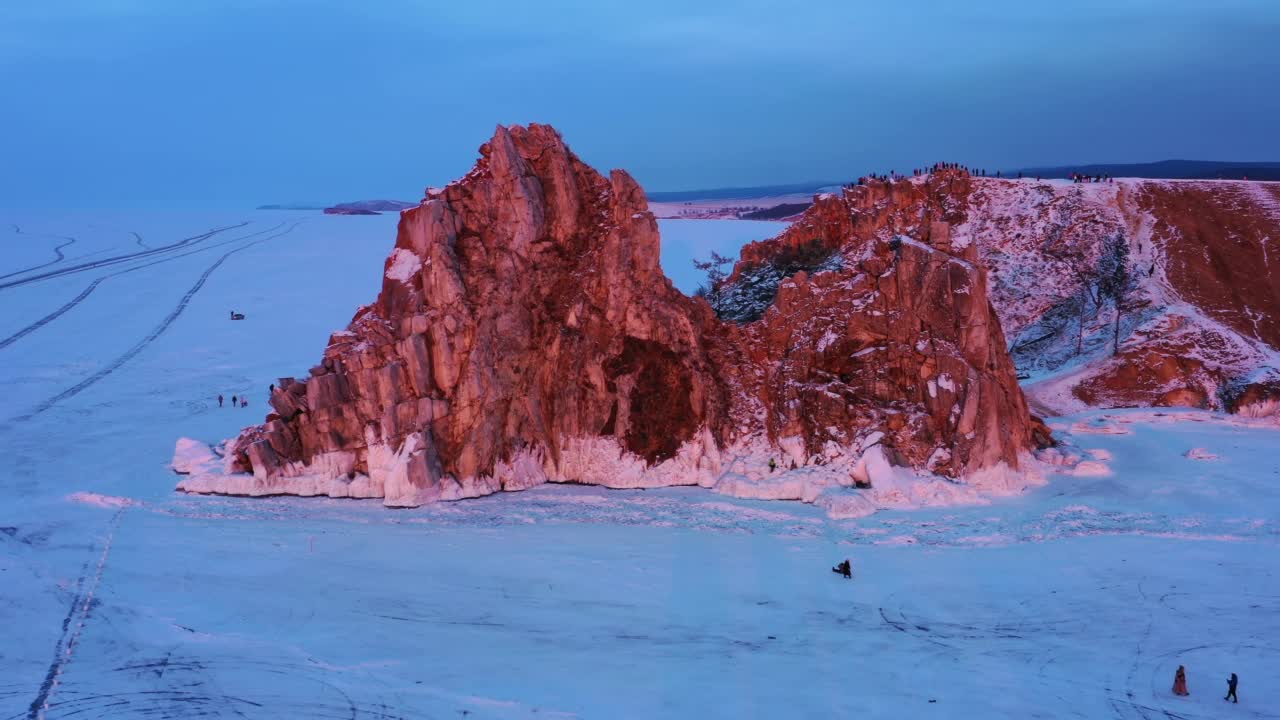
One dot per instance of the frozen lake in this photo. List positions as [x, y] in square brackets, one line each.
[122, 599]
[684, 241]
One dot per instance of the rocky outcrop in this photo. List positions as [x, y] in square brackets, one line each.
[896, 333]
[526, 333]
[1196, 325]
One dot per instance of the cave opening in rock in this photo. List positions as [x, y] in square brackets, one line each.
[660, 416]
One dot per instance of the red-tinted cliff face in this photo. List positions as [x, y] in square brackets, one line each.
[1219, 238]
[895, 333]
[1198, 323]
[525, 333]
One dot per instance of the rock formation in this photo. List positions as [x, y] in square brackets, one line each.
[1198, 326]
[525, 333]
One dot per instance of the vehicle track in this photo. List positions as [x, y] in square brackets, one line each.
[151, 337]
[47, 685]
[81, 605]
[6, 342]
[193, 686]
[56, 251]
[116, 260]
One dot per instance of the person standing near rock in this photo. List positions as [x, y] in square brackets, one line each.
[1180, 681]
[772, 465]
[1231, 688]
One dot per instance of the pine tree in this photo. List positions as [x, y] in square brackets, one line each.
[714, 268]
[1115, 280]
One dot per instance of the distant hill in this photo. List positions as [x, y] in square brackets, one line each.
[357, 207]
[777, 212]
[376, 206]
[739, 192]
[1170, 169]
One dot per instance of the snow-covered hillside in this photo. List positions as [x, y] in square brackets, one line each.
[1196, 325]
[124, 599]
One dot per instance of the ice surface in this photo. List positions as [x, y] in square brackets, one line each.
[684, 241]
[123, 599]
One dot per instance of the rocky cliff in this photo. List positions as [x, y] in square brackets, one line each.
[1195, 321]
[525, 333]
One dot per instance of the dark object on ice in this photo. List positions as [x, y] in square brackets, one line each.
[1231, 688]
[219, 401]
[772, 465]
[845, 569]
[244, 402]
[1180, 682]
[271, 388]
[236, 316]
[233, 401]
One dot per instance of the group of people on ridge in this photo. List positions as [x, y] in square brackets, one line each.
[1180, 685]
[893, 175]
[1078, 178]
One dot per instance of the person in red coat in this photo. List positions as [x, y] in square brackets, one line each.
[1180, 682]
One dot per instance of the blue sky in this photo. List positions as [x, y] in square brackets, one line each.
[156, 103]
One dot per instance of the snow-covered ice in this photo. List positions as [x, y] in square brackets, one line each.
[123, 599]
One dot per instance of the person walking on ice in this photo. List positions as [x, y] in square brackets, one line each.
[1180, 682]
[219, 401]
[845, 569]
[1231, 688]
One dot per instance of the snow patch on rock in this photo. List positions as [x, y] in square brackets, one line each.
[403, 265]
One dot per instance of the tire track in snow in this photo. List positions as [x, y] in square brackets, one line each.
[56, 251]
[151, 337]
[6, 342]
[138, 238]
[51, 316]
[117, 259]
[81, 606]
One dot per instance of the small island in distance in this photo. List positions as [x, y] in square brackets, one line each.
[358, 207]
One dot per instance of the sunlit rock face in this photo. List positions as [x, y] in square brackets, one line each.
[525, 333]
[1198, 323]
